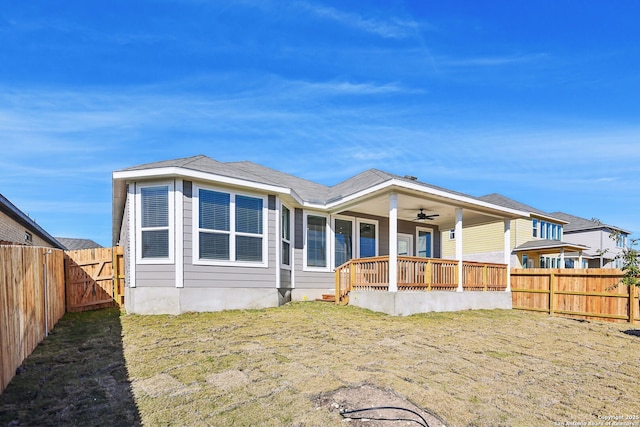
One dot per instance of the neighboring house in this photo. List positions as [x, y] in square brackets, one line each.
[73, 244]
[16, 228]
[537, 240]
[604, 247]
[204, 235]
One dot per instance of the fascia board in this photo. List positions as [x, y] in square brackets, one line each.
[430, 191]
[205, 176]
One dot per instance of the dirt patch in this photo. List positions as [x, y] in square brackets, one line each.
[228, 380]
[367, 405]
[161, 385]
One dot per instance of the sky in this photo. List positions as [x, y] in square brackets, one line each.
[538, 101]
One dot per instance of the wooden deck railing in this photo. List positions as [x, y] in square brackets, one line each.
[417, 274]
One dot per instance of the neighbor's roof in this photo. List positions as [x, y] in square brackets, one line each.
[75, 244]
[544, 244]
[576, 223]
[20, 217]
[499, 199]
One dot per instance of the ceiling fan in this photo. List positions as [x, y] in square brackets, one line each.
[421, 216]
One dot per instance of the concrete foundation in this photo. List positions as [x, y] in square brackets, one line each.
[156, 300]
[310, 294]
[407, 303]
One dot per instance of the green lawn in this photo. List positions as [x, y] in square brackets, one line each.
[271, 367]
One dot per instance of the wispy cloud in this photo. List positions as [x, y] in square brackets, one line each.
[392, 28]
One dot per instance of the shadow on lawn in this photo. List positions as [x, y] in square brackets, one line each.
[76, 376]
[632, 332]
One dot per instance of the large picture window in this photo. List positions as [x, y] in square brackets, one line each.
[367, 239]
[155, 223]
[343, 241]
[230, 227]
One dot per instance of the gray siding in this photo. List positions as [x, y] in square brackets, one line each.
[209, 276]
[156, 275]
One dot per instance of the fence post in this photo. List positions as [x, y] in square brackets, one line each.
[632, 304]
[427, 275]
[552, 282]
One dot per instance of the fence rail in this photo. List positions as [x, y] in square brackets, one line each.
[418, 274]
[95, 278]
[592, 294]
[32, 300]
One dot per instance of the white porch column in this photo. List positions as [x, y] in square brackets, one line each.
[507, 251]
[561, 257]
[393, 242]
[579, 259]
[458, 234]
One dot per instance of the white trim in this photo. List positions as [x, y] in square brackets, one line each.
[352, 220]
[179, 236]
[171, 226]
[409, 237]
[328, 256]
[507, 252]
[426, 230]
[131, 198]
[232, 233]
[428, 190]
[175, 171]
[281, 239]
[393, 242]
[374, 222]
[459, 248]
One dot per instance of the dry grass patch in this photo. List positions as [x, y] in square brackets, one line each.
[300, 364]
[480, 368]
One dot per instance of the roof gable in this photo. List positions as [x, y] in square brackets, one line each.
[17, 215]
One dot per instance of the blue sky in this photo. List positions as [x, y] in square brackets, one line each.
[539, 101]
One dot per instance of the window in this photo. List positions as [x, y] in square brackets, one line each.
[452, 234]
[286, 236]
[621, 241]
[548, 230]
[424, 243]
[28, 237]
[525, 261]
[230, 228]
[155, 219]
[367, 239]
[316, 242]
[343, 241]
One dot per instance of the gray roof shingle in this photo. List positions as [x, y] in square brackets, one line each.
[576, 223]
[75, 244]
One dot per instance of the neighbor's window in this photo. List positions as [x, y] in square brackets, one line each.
[230, 227]
[316, 241]
[535, 227]
[452, 234]
[154, 221]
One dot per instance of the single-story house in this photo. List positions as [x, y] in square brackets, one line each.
[75, 244]
[17, 228]
[204, 235]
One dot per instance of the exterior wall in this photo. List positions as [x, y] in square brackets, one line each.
[596, 240]
[13, 231]
[232, 276]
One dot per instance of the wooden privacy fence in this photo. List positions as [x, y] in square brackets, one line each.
[95, 278]
[32, 290]
[581, 293]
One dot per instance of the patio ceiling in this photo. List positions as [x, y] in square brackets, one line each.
[411, 201]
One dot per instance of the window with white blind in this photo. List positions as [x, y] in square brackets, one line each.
[229, 228]
[155, 223]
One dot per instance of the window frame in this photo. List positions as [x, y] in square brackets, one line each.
[328, 246]
[171, 226]
[373, 222]
[354, 253]
[426, 230]
[452, 234]
[283, 240]
[196, 230]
